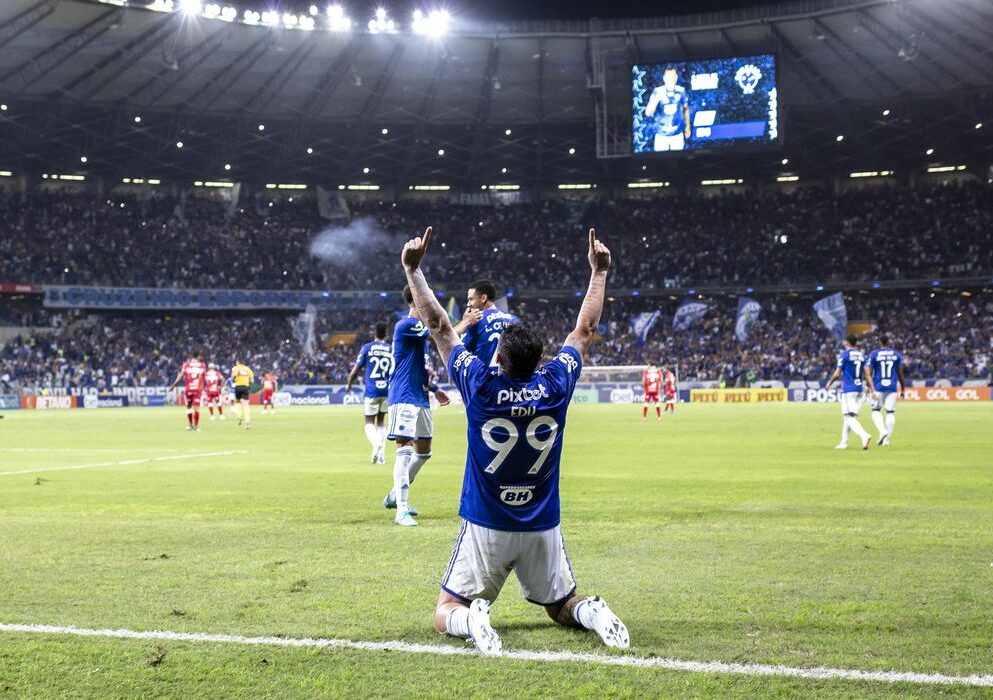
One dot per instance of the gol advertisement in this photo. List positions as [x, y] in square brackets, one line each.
[947, 393]
[737, 395]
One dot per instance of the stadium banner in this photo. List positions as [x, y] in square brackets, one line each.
[151, 298]
[737, 395]
[104, 401]
[17, 288]
[9, 402]
[748, 314]
[55, 401]
[831, 310]
[585, 395]
[689, 310]
[642, 323]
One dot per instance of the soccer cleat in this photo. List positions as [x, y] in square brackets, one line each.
[481, 632]
[405, 519]
[841, 446]
[612, 631]
[886, 441]
[390, 503]
[882, 439]
[865, 442]
[213, 417]
[375, 455]
[380, 457]
[223, 417]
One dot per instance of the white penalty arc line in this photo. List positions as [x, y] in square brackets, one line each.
[713, 667]
[144, 460]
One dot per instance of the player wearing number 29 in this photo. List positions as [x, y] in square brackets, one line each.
[510, 491]
[886, 368]
[376, 358]
[855, 380]
[483, 337]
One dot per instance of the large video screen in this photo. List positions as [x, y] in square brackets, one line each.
[721, 103]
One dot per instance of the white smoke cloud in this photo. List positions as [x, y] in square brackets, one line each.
[361, 241]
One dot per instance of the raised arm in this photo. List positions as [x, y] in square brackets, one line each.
[428, 308]
[589, 313]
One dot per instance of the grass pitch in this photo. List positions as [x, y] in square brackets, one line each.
[729, 533]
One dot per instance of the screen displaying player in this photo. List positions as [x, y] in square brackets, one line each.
[711, 104]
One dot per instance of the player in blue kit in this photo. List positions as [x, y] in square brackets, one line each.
[482, 337]
[673, 123]
[376, 358]
[411, 424]
[886, 369]
[855, 380]
[510, 491]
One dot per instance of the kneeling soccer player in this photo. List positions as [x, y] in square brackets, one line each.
[510, 496]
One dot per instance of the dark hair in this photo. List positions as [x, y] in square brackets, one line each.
[381, 330]
[670, 68]
[852, 340]
[884, 340]
[484, 287]
[520, 350]
[408, 296]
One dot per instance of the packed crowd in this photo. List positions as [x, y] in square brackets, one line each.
[810, 235]
[942, 334]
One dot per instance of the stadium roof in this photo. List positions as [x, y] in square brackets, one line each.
[76, 75]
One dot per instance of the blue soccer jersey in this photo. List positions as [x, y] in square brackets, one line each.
[884, 364]
[483, 338]
[409, 381]
[669, 114]
[515, 432]
[851, 363]
[376, 359]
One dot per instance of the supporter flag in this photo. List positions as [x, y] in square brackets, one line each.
[501, 303]
[642, 323]
[831, 310]
[689, 311]
[454, 314]
[748, 314]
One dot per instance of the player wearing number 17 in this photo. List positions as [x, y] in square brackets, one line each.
[510, 492]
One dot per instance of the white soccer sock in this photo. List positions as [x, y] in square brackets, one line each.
[583, 613]
[890, 422]
[370, 435]
[877, 418]
[457, 623]
[856, 427]
[845, 429]
[401, 477]
[381, 435]
[415, 464]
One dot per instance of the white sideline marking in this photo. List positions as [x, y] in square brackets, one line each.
[127, 461]
[719, 667]
[86, 449]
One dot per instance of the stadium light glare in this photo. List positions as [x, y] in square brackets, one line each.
[722, 181]
[441, 151]
[435, 23]
[787, 178]
[137, 120]
[313, 10]
[191, 7]
[979, 125]
[179, 144]
[83, 159]
[337, 20]
[381, 23]
[432, 188]
[251, 17]
[385, 131]
[886, 113]
[819, 288]
[365, 171]
[261, 127]
[310, 151]
[290, 20]
[211, 10]
[227, 166]
[508, 132]
[576, 186]
[363, 188]
[229, 14]
[876, 285]
[945, 168]
[572, 151]
[785, 161]
[3, 108]
[646, 185]
[6, 173]
[839, 138]
[270, 18]
[503, 170]
[502, 188]
[929, 152]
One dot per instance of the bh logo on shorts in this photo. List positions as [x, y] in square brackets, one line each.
[748, 77]
[516, 495]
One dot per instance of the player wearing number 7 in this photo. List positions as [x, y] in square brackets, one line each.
[855, 379]
[510, 491]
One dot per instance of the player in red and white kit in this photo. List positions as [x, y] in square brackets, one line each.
[214, 381]
[192, 374]
[670, 390]
[269, 386]
[652, 381]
